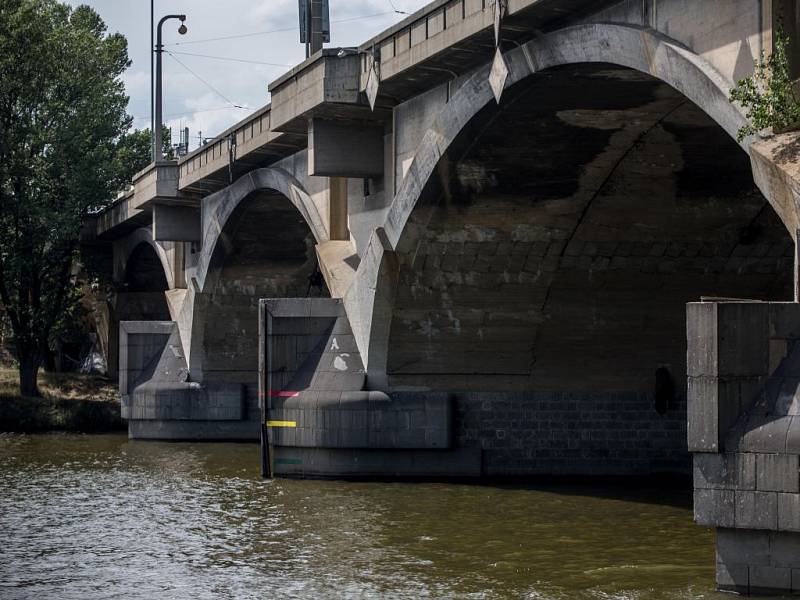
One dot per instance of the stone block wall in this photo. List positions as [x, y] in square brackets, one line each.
[562, 433]
[744, 430]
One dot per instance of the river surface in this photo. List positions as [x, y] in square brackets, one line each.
[84, 517]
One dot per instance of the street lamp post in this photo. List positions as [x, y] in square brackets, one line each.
[152, 86]
[157, 151]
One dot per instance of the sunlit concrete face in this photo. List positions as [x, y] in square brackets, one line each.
[141, 297]
[266, 251]
[558, 245]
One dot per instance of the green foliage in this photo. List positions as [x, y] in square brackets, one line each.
[768, 95]
[133, 152]
[62, 122]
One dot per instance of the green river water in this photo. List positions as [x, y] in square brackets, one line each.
[88, 517]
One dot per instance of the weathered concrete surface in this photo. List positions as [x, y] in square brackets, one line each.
[744, 371]
[313, 379]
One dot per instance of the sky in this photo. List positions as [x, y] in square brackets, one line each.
[202, 92]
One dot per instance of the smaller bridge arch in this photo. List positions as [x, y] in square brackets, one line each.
[225, 204]
[259, 240]
[131, 248]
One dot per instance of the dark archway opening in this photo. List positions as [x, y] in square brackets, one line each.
[553, 254]
[266, 250]
[142, 294]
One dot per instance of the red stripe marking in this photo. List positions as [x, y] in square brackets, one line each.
[282, 394]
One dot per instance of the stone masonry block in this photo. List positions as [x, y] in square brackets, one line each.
[757, 510]
[769, 579]
[785, 549]
[738, 546]
[733, 577]
[724, 471]
[703, 430]
[743, 338]
[766, 434]
[777, 473]
[714, 508]
[789, 512]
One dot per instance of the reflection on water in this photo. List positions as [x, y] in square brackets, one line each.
[101, 517]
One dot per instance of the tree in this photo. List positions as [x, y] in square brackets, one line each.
[62, 120]
[133, 152]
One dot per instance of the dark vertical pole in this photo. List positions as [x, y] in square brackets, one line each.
[797, 265]
[157, 133]
[263, 388]
[316, 26]
[152, 88]
[308, 27]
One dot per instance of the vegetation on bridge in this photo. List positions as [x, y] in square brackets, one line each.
[769, 96]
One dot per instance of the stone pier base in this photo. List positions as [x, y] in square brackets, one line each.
[751, 561]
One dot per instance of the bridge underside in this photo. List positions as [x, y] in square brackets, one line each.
[545, 271]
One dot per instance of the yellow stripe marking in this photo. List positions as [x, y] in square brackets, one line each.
[281, 423]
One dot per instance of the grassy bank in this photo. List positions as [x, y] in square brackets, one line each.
[69, 402]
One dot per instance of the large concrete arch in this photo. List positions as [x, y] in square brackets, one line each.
[641, 49]
[548, 261]
[638, 48]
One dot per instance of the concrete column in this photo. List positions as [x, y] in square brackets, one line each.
[344, 149]
[744, 371]
[176, 223]
[337, 209]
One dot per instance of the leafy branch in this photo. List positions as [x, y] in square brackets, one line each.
[768, 95]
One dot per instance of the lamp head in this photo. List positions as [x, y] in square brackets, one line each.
[182, 29]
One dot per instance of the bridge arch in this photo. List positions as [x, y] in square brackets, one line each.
[144, 278]
[540, 269]
[133, 244]
[226, 203]
[259, 241]
[641, 49]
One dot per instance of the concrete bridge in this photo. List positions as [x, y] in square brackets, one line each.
[457, 286]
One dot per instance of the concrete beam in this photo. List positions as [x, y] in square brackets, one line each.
[176, 223]
[344, 149]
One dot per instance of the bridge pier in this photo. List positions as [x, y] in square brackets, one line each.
[744, 431]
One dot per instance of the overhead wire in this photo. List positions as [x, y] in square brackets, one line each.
[206, 83]
[395, 9]
[231, 59]
[193, 112]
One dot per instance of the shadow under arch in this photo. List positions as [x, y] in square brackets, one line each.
[133, 243]
[141, 296]
[225, 204]
[542, 276]
[259, 242]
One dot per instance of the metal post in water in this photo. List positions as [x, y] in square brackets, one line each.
[263, 387]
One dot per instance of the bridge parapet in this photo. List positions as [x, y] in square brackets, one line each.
[744, 430]
[155, 184]
[324, 85]
[251, 143]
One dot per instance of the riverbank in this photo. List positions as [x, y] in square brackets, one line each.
[69, 402]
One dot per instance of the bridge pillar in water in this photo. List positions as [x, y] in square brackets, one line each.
[744, 431]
